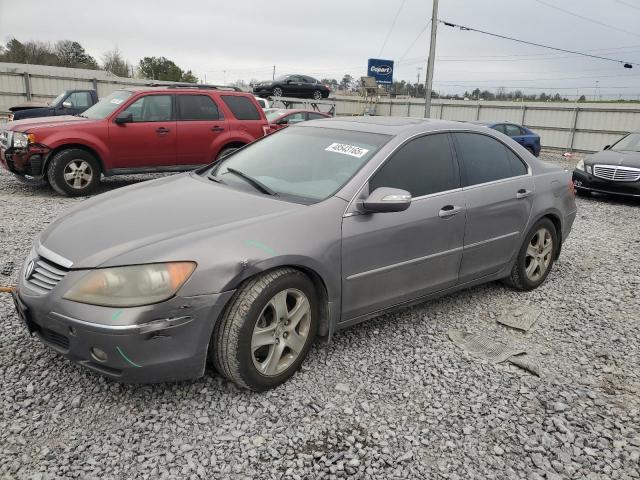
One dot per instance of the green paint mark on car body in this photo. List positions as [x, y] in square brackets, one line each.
[261, 246]
[127, 358]
[116, 314]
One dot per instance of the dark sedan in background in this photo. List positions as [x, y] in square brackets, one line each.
[280, 118]
[615, 170]
[525, 137]
[299, 86]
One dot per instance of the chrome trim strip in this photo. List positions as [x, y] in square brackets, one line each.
[489, 240]
[401, 264]
[52, 256]
[152, 325]
[495, 182]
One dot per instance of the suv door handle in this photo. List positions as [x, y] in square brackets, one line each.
[449, 211]
[217, 128]
[522, 193]
[162, 130]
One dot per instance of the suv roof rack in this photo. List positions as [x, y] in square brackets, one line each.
[197, 86]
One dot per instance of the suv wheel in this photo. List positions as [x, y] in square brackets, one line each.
[536, 256]
[317, 95]
[266, 330]
[277, 92]
[74, 172]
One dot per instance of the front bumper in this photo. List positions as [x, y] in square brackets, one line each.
[590, 183]
[163, 342]
[24, 161]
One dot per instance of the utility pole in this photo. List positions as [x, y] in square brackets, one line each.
[432, 54]
[418, 80]
[273, 77]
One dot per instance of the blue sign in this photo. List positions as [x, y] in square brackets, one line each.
[381, 70]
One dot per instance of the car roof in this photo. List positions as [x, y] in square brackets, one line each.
[406, 126]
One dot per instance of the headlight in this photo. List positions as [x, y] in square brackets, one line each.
[588, 168]
[580, 165]
[22, 140]
[131, 286]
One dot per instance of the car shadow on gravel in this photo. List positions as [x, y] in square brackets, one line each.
[611, 199]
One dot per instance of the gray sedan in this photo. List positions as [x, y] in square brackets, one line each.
[244, 263]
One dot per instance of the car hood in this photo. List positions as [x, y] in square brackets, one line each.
[613, 157]
[168, 210]
[34, 124]
[27, 105]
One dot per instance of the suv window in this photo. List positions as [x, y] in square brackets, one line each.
[80, 99]
[485, 159]
[422, 166]
[513, 130]
[295, 118]
[241, 107]
[197, 107]
[151, 108]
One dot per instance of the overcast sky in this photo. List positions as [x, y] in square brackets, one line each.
[328, 38]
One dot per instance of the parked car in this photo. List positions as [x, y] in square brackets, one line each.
[153, 129]
[299, 86]
[244, 262]
[281, 117]
[263, 102]
[69, 102]
[615, 170]
[525, 137]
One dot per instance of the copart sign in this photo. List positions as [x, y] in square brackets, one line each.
[381, 70]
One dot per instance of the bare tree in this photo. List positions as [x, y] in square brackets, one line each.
[112, 61]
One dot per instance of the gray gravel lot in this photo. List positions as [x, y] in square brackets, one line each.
[391, 398]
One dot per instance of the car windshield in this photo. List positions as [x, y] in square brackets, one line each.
[274, 113]
[301, 164]
[107, 105]
[57, 100]
[281, 78]
[630, 143]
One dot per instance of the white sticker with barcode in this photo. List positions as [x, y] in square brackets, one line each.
[345, 149]
[117, 101]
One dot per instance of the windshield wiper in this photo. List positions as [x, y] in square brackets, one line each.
[256, 183]
[213, 178]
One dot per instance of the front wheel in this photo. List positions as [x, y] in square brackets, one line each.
[317, 95]
[74, 172]
[266, 330]
[536, 256]
[277, 92]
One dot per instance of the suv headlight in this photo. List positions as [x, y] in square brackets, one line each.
[131, 286]
[580, 165]
[22, 140]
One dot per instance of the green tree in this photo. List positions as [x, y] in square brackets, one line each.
[346, 82]
[72, 54]
[160, 68]
[582, 98]
[189, 77]
[112, 61]
[36, 53]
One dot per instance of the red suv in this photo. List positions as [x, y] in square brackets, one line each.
[158, 129]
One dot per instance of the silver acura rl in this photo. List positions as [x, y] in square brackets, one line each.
[244, 263]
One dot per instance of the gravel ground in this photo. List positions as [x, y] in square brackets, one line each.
[391, 398]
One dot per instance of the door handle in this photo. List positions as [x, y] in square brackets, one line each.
[449, 211]
[216, 128]
[522, 193]
[162, 130]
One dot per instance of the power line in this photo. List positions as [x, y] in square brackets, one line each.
[627, 4]
[462, 27]
[424, 29]
[393, 24]
[597, 22]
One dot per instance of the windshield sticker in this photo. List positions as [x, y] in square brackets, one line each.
[345, 149]
[117, 101]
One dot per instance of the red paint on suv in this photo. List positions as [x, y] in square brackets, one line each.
[155, 129]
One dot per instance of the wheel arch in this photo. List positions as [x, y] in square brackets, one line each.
[69, 146]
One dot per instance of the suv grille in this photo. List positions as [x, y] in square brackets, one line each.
[45, 275]
[55, 338]
[617, 174]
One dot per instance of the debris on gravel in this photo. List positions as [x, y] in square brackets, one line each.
[392, 397]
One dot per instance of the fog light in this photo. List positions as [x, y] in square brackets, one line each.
[98, 354]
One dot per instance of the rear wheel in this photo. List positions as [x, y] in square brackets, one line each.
[277, 92]
[74, 172]
[267, 330]
[536, 256]
[317, 95]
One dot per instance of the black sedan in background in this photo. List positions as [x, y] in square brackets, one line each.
[298, 86]
[615, 170]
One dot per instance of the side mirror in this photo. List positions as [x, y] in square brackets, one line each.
[124, 117]
[67, 104]
[607, 147]
[385, 199]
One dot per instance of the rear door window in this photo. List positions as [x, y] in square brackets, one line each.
[422, 167]
[499, 128]
[241, 107]
[315, 116]
[197, 107]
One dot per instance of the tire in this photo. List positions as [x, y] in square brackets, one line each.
[32, 182]
[233, 348]
[225, 152]
[81, 169]
[277, 92]
[525, 275]
[317, 95]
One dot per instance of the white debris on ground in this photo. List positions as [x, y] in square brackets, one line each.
[390, 398]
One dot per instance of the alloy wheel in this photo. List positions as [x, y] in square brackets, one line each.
[317, 95]
[281, 332]
[277, 92]
[78, 174]
[538, 256]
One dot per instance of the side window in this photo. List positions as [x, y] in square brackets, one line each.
[80, 99]
[309, 80]
[422, 166]
[197, 107]
[485, 158]
[513, 130]
[315, 116]
[241, 107]
[151, 108]
[518, 167]
[295, 118]
[499, 128]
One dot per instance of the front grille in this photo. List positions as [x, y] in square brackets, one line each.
[55, 338]
[45, 275]
[617, 173]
